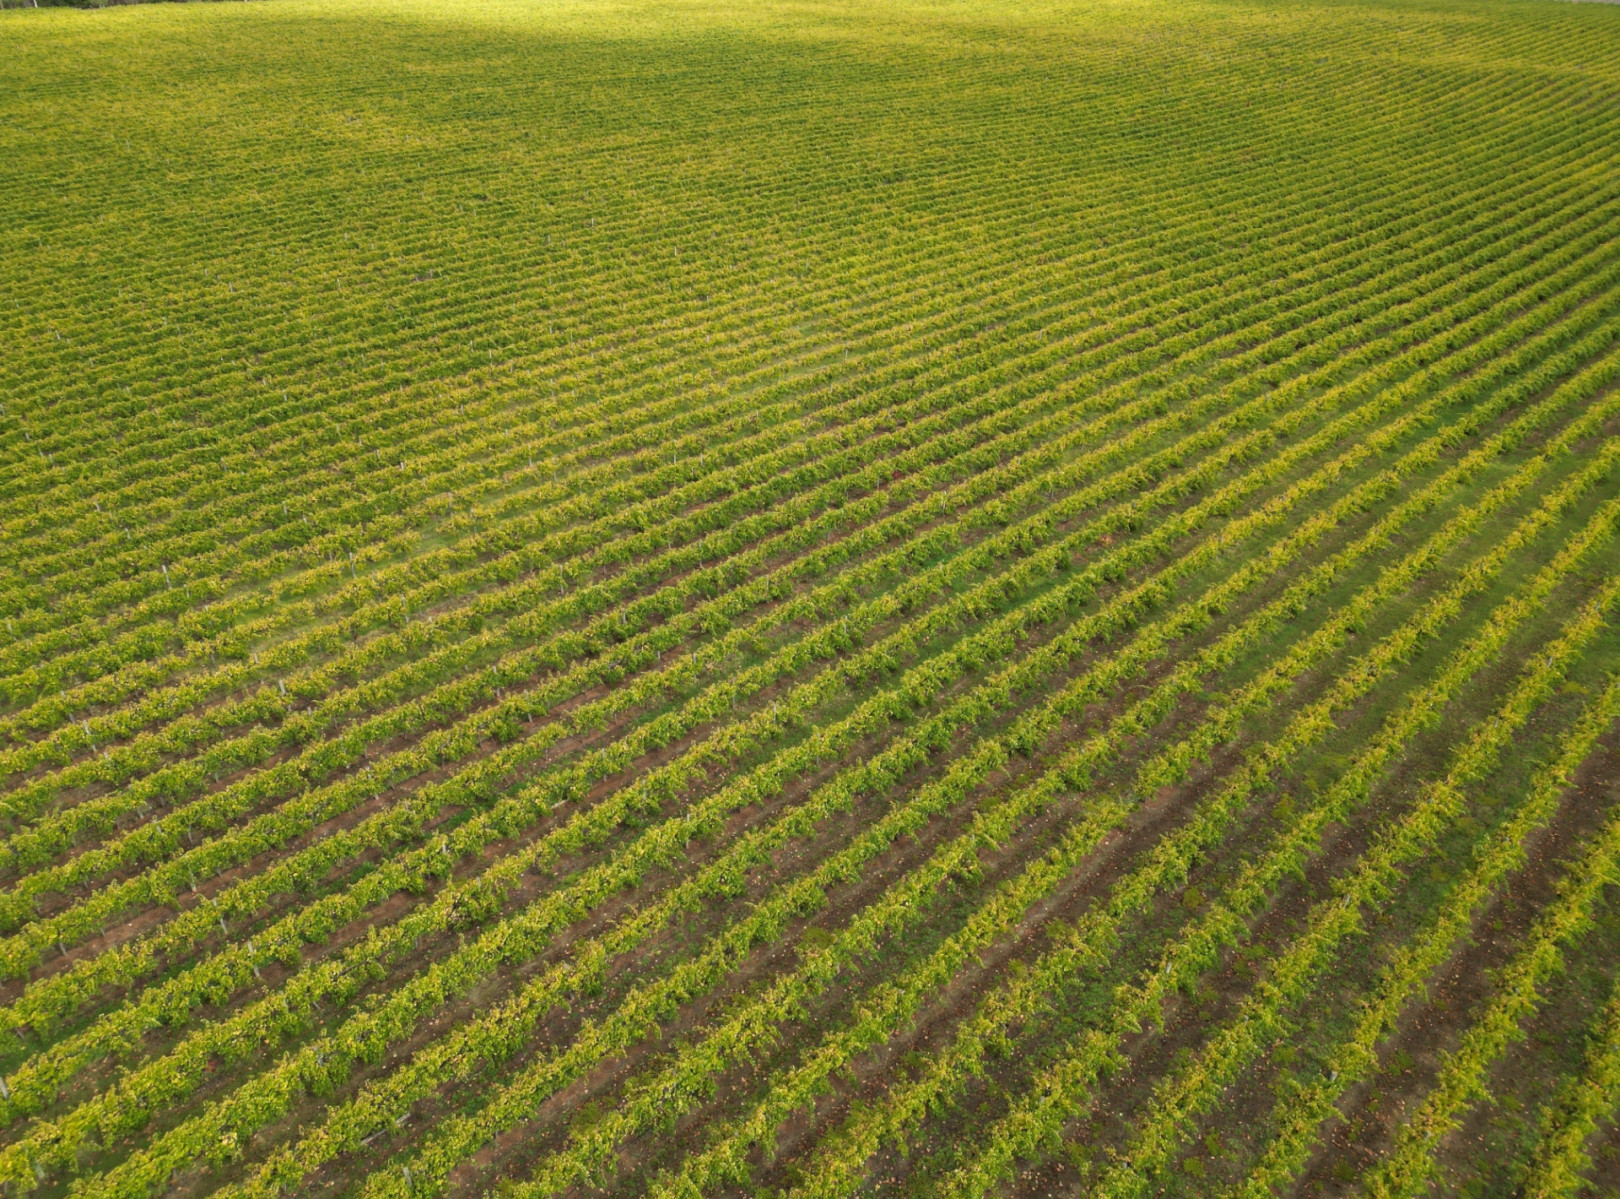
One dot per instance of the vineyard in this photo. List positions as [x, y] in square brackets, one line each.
[810, 599]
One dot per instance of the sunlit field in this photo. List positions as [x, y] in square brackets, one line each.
[810, 599]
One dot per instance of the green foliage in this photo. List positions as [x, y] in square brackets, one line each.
[766, 593]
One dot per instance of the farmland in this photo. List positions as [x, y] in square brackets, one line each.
[682, 599]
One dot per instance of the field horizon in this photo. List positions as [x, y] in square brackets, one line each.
[809, 598]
